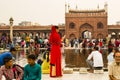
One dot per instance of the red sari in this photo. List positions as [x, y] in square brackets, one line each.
[55, 54]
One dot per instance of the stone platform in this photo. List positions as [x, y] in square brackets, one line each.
[74, 59]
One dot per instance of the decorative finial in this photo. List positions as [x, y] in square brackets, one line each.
[68, 7]
[106, 7]
[65, 8]
[98, 7]
[65, 4]
[11, 21]
[76, 7]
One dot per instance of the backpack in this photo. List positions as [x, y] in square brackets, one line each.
[14, 69]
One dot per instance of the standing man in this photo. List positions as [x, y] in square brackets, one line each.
[95, 60]
[114, 68]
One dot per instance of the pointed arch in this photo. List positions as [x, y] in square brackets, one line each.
[72, 25]
[86, 25]
[86, 34]
[100, 36]
[31, 34]
[37, 34]
[4, 34]
[72, 36]
[100, 25]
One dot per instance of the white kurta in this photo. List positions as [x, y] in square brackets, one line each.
[97, 58]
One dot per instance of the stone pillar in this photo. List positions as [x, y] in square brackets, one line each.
[11, 28]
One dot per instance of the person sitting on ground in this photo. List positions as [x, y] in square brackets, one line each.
[46, 62]
[97, 62]
[7, 70]
[12, 50]
[114, 67]
[32, 71]
[111, 52]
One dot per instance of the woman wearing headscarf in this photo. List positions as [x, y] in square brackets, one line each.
[55, 53]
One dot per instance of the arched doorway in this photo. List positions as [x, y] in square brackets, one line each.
[119, 35]
[4, 34]
[86, 34]
[37, 34]
[23, 35]
[4, 37]
[113, 35]
[17, 34]
[72, 36]
[100, 36]
[31, 35]
[86, 31]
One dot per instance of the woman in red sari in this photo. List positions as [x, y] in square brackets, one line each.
[55, 53]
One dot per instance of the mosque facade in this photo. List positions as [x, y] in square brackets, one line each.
[78, 23]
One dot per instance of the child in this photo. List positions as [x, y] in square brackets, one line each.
[8, 72]
[32, 71]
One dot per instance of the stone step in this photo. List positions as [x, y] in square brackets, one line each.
[67, 70]
[83, 70]
[99, 71]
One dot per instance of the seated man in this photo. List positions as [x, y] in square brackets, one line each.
[114, 67]
[97, 62]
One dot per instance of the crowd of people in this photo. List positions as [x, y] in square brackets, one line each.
[32, 70]
[51, 58]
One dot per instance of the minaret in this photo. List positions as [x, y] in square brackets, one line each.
[106, 7]
[98, 7]
[76, 7]
[68, 7]
[65, 8]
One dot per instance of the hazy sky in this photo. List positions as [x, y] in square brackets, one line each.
[46, 12]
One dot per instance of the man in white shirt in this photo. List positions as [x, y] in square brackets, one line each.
[111, 52]
[95, 60]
